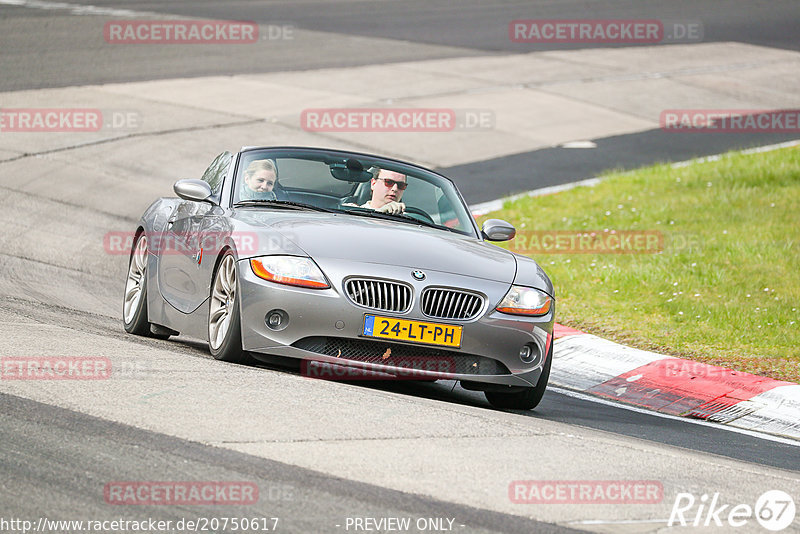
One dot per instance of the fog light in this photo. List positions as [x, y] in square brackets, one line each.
[530, 354]
[276, 319]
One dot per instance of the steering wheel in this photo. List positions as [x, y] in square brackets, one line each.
[411, 211]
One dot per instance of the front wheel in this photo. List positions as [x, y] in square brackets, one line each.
[527, 399]
[224, 321]
[134, 304]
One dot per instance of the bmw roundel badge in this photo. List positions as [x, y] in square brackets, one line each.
[418, 275]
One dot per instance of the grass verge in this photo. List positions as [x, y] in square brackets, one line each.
[711, 269]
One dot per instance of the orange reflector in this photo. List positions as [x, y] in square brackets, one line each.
[528, 311]
[262, 272]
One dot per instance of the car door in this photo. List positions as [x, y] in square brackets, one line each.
[187, 245]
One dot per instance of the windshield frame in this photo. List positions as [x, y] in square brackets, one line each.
[331, 156]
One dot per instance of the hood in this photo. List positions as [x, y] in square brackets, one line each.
[368, 240]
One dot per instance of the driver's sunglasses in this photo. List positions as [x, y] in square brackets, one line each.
[391, 183]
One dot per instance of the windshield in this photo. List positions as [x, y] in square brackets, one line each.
[350, 183]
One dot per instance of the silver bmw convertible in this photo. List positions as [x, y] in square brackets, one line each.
[357, 265]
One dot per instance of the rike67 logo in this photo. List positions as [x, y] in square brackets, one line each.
[774, 510]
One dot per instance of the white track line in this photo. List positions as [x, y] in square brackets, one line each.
[493, 205]
[618, 522]
[78, 9]
[599, 400]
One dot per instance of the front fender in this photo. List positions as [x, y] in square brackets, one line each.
[530, 274]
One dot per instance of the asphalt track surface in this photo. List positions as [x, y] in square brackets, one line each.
[60, 460]
[64, 55]
[55, 461]
[55, 48]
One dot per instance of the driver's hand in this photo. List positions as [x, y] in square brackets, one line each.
[393, 208]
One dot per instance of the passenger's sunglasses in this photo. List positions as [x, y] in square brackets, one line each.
[391, 183]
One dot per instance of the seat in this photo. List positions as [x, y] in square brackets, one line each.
[280, 192]
[362, 195]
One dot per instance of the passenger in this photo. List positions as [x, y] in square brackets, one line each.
[260, 178]
[387, 190]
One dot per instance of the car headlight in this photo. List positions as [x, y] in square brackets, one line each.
[525, 301]
[289, 270]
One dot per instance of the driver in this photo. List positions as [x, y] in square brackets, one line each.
[260, 178]
[387, 190]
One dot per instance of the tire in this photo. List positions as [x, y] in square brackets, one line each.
[224, 320]
[523, 400]
[134, 302]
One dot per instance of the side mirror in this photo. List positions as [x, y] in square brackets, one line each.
[498, 230]
[196, 190]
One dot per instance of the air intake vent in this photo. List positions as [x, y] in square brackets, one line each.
[442, 303]
[402, 356]
[379, 294]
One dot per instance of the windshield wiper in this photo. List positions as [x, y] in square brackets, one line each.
[281, 204]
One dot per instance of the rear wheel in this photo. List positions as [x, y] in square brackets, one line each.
[527, 399]
[224, 321]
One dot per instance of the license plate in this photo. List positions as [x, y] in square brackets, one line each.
[445, 335]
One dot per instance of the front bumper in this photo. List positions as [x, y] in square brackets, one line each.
[319, 321]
